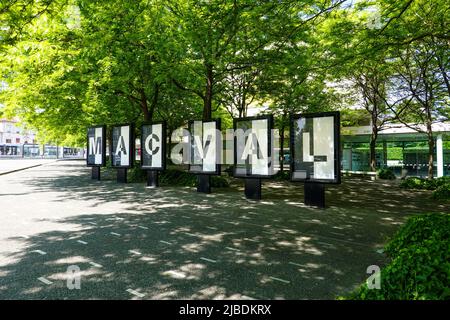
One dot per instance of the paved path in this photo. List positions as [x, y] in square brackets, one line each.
[130, 242]
[9, 165]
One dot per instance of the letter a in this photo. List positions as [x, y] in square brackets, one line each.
[121, 147]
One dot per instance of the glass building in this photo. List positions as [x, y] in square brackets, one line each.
[399, 147]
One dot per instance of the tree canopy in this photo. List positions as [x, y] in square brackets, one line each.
[68, 64]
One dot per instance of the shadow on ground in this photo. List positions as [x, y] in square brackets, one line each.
[174, 243]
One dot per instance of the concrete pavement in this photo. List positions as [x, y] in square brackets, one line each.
[130, 242]
[14, 164]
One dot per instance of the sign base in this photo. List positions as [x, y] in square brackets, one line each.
[203, 183]
[315, 194]
[122, 175]
[152, 179]
[95, 173]
[253, 189]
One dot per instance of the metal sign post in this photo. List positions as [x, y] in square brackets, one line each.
[204, 183]
[152, 179]
[315, 153]
[314, 194]
[95, 173]
[253, 188]
[122, 175]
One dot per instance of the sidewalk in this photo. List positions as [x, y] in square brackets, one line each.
[131, 242]
[12, 165]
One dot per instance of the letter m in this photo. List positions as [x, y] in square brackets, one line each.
[95, 145]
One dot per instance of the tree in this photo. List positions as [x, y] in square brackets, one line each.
[371, 83]
[17, 15]
[417, 39]
[418, 73]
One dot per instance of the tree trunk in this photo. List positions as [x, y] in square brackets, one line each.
[144, 105]
[282, 147]
[243, 103]
[207, 106]
[154, 102]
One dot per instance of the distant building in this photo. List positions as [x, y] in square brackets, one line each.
[399, 148]
[21, 143]
[13, 137]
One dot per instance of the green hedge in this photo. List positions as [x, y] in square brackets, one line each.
[174, 177]
[386, 174]
[424, 184]
[282, 176]
[442, 192]
[420, 262]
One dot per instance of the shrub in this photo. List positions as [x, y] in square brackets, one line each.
[136, 174]
[420, 265]
[219, 182]
[423, 184]
[386, 174]
[411, 183]
[283, 176]
[441, 181]
[175, 177]
[442, 192]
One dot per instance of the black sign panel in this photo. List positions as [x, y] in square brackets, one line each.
[315, 151]
[153, 146]
[122, 146]
[205, 147]
[253, 147]
[96, 146]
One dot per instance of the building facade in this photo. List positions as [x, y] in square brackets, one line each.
[13, 137]
[399, 148]
[16, 142]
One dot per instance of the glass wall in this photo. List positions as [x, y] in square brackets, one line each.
[405, 155]
[50, 151]
[10, 150]
[31, 150]
[73, 152]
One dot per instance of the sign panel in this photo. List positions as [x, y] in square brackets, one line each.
[253, 152]
[96, 146]
[122, 146]
[315, 152]
[153, 146]
[205, 147]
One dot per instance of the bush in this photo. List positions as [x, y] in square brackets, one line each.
[175, 177]
[411, 183]
[283, 176]
[442, 192]
[386, 174]
[441, 181]
[423, 184]
[420, 265]
[136, 174]
[219, 182]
